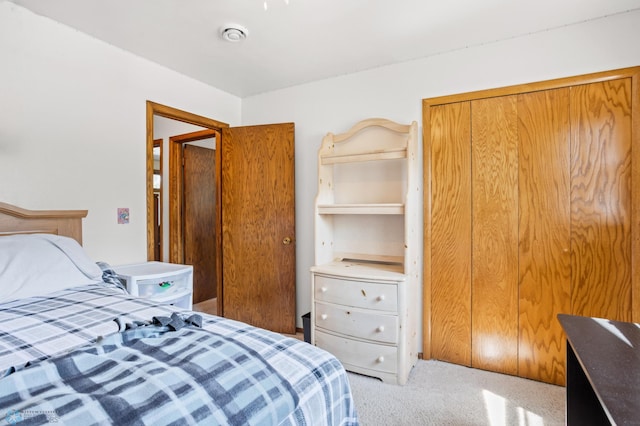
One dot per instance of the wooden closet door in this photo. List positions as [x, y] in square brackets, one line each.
[545, 233]
[450, 273]
[551, 219]
[601, 199]
[494, 288]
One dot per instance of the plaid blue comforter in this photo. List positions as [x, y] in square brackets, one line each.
[67, 358]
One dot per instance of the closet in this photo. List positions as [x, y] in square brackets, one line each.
[530, 211]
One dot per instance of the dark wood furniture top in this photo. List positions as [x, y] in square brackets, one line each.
[608, 353]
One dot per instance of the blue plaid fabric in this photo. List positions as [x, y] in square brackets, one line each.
[66, 357]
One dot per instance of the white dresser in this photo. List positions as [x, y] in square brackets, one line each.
[368, 262]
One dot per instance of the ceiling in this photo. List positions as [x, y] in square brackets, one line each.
[308, 40]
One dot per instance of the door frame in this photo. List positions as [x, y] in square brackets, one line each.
[176, 189]
[158, 216]
[176, 199]
[154, 109]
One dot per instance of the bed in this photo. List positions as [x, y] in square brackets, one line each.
[76, 348]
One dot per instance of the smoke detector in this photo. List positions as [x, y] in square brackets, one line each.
[233, 32]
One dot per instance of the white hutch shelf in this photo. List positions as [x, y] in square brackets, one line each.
[368, 256]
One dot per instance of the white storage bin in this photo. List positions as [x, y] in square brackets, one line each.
[165, 282]
[162, 286]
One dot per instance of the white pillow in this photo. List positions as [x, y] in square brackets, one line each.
[38, 264]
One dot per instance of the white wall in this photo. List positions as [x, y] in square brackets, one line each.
[396, 91]
[72, 114]
[73, 126]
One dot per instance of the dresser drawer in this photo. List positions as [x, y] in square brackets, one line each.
[170, 284]
[362, 324]
[370, 356]
[361, 294]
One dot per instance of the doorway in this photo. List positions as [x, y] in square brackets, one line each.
[256, 244]
[194, 206]
[174, 238]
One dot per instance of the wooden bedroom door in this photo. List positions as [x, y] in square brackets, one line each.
[194, 209]
[200, 247]
[258, 226]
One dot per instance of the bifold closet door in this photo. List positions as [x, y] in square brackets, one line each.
[450, 229]
[494, 288]
[545, 232]
[529, 215]
[601, 199]
[474, 233]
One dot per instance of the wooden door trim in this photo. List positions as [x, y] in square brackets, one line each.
[154, 109]
[533, 87]
[158, 143]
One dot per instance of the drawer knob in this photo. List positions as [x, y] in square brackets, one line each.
[323, 316]
[323, 289]
[380, 329]
[380, 359]
[380, 298]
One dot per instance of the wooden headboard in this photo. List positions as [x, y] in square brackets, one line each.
[16, 220]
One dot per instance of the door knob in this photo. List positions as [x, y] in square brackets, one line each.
[286, 241]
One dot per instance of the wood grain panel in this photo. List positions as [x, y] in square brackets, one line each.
[258, 213]
[603, 205]
[635, 195]
[601, 199]
[451, 233]
[200, 248]
[545, 233]
[494, 132]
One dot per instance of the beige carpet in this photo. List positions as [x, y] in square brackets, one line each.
[440, 393]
